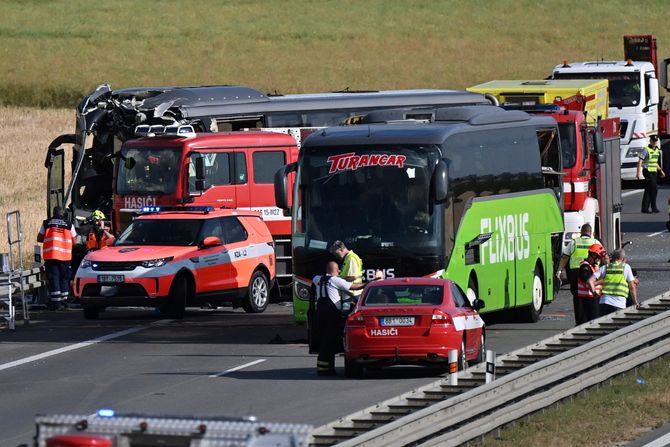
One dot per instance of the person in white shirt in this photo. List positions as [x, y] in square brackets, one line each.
[618, 283]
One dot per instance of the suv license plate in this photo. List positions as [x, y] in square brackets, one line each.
[397, 321]
[110, 278]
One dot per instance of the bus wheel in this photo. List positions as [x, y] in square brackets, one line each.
[258, 295]
[177, 298]
[537, 298]
[472, 293]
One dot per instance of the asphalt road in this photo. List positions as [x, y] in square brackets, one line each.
[227, 362]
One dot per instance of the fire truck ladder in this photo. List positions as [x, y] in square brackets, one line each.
[12, 274]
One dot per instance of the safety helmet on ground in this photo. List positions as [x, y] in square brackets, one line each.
[98, 215]
[598, 249]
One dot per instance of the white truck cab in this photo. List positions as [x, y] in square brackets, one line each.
[634, 98]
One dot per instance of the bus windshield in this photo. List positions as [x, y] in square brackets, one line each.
[370, 197]
[149, 170]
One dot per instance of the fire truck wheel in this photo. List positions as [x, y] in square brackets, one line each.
[177, 299]
[258, 296]
[91, 313]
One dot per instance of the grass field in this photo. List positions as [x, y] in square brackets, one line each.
[56, 51]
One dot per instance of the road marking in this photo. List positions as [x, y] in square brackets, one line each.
[657, 233]
[659, 442]
[237, 368]
[83, 344]
[630, 193]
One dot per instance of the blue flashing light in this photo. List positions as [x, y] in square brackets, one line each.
[151, 209]
[106, 413]
[158, 209]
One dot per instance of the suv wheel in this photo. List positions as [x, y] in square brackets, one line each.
[258, 295]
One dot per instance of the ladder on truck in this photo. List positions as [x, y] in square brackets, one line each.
[12, 274]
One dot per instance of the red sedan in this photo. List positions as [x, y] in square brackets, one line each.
[413, 321]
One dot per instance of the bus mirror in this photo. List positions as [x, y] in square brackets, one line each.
[281, 185]
[129, 163]
[200, 169]
[441, 181]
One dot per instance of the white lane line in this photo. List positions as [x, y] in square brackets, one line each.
[630, 193]
[237, 368]
[657, 233]
[663, 441]
[36, 357]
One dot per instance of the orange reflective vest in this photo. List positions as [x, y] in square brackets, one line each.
[92, 242]
[57, 243]
[583, 290]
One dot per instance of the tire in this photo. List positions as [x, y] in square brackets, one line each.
[472, 293]
[537, 298]
[352, 369]
[462, 357]
[177, 298]
[481, 355]
[258, 295]
[91, 313]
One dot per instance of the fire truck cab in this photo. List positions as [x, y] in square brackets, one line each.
[233, 170]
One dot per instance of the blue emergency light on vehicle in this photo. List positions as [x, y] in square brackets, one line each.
[159, 209]
[105, 413]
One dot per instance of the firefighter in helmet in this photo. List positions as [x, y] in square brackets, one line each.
[99, 236]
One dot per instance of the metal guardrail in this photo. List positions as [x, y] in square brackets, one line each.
[561, 366]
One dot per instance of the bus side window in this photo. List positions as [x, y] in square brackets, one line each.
[550, 157]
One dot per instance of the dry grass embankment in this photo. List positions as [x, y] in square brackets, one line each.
[27, 134]
[610, 416]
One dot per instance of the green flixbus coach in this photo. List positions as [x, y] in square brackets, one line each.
[470, 193]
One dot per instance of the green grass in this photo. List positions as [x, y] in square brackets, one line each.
[54, 52]
[611, 415]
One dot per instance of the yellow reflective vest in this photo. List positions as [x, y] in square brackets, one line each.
[581, 251]
[614, 282]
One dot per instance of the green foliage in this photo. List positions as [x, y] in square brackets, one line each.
[54, 52]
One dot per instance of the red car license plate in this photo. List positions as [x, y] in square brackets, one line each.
[397, 321]
[110, 278]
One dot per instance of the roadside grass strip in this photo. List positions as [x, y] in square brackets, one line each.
[619, 411]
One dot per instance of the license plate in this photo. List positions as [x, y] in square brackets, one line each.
[110, 278]
[397, 321]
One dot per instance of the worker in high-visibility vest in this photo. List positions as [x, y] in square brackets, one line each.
[57, 237]
[352, 269]
[99, 237]
[573, 254]
[618, 283]
[588, 296]
[650, 162]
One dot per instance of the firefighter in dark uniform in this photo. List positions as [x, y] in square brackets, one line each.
[329, 316]
[650, 163]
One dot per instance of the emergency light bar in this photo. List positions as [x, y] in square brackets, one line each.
[159, 209]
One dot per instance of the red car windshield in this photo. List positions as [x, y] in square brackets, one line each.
[404, 294]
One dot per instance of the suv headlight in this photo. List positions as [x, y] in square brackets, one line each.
[85, 264]
[152, 263]
[302, 290]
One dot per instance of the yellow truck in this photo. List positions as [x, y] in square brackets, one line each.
[589, 95]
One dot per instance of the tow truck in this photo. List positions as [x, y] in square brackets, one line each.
[591, 167]
[634, 96]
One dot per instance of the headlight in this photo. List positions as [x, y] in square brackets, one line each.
[633, 152]
[302, 290]
[151, 263]
[85, 264]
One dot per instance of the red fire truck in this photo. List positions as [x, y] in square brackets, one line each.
[230, 170]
